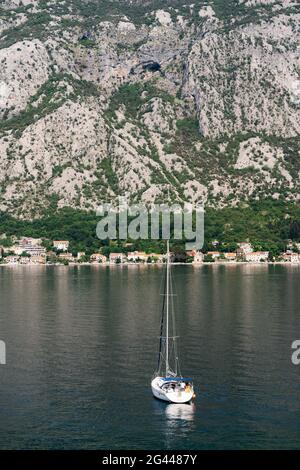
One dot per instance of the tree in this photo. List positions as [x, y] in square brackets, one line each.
[180, 255]
[294, 229]
[209, 259]
[84, 259]
[6, 242]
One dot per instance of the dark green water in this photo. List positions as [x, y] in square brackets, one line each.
[81, 350]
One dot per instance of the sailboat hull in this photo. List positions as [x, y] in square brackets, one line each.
[171, 396]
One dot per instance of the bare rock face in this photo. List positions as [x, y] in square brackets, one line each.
[99, 99]
[246, 83]
[18, 65]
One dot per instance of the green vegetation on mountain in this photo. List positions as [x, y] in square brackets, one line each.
[267, 225]
[50, 96]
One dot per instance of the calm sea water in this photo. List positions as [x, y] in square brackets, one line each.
[82, 347]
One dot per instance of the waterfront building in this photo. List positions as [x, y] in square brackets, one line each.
[38, 259]
[257, 256]
[98, 258]
[198, 257]
[134, 256]
[31, 246]
[12, 259]
[230, 256]
[116, 258]
[291, 257]
[214, 254]
[66, 256]
[294, 258]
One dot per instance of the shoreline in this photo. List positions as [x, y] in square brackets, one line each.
[121, 265]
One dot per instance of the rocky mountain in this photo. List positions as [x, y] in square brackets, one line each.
[105, 98]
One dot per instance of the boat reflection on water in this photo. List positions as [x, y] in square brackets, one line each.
[184, 412]
[179, 424]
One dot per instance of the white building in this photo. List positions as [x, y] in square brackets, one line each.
[98, 258]
[257, 256]
[134, 256]
[12, 259]
[61, 245]
[198, 257]
[15, 249]
[214, 254]
[230, 256]
[66, 256]
[31, 250]
[116, 258]
[29, 241]
[291, 257]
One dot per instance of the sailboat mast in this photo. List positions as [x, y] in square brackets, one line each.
[167, 308]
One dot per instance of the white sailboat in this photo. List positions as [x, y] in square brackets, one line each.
[168, 384]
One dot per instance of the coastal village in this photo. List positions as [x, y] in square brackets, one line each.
[31, 251]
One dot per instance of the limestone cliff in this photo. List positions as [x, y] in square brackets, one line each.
[100, 98]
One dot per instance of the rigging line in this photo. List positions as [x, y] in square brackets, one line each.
[168, 308]
[173, 319]
[162, 322]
